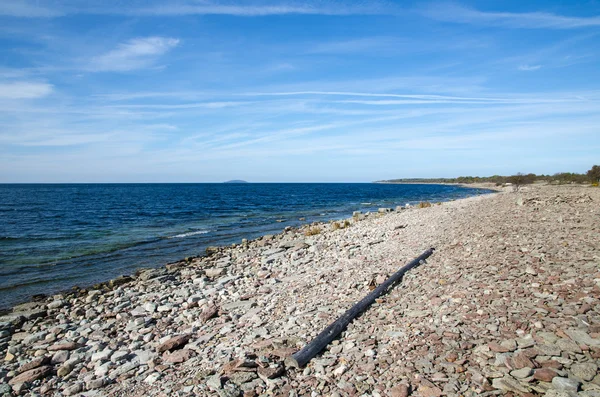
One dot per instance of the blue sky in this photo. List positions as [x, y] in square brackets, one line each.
[206, 91]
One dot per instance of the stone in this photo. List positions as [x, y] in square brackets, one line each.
[57, 304]
[38, 362]
[31, 375]
[568, 346]
[243, 305]
[96, 383]
[175, 342]
[429, 391]
[270, 372]
[208, 313]
[544, 374]
[64, 370]
[399, 391]
[38, 336]
[214, 382]
[214, 272]
[584, 371]
[179, 356]
[60, 357]
[519, 360]
[73, 389]
[242, 377]
[521, 373]
[63, 346]
[565, 384]
[152, 378]
[103, 355]
[507, 383]
[340, 370]
[582, 337]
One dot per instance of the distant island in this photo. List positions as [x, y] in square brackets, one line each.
[236, 181]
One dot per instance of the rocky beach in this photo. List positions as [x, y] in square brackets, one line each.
[507, 305]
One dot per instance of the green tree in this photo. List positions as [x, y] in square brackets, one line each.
[594, 174]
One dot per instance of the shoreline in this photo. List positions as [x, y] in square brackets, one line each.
[197, 326]
[99, 284]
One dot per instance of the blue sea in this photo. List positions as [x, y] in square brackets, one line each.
[56, 236]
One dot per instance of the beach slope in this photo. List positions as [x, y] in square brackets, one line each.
[508, 303]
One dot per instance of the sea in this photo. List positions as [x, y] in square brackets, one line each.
[57, 236]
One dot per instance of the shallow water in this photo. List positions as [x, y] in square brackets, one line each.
[55, 236]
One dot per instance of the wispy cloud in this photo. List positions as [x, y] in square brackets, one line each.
[250, 9]
[134, 54]
[25, 8]
[530, 68]
[28, 9]
[452, 12]
[24, 90]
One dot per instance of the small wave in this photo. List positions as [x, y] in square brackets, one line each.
[183, 235]
[366, 203]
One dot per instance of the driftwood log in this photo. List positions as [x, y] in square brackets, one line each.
[302, 357]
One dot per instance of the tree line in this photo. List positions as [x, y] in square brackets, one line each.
[592, 176]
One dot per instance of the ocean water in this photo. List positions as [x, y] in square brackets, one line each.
[56, 236]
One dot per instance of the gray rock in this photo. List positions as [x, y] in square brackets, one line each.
[584, 371]
[57, 304]
[522, 373]
[214, 382]
[73, 389]
[96, 383]
[508, 383]
[60, 357]
[582, 337]
[103, 355]
[565, 384]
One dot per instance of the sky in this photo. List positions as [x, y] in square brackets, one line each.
[307, 91]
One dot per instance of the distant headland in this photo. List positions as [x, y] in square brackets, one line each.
[236, 181]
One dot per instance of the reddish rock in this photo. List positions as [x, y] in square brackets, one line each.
[399, 391]
[208, 313]
[239, 365]
[520, 360]
[179, 356]
[544, 374]
[270, 373]
[552, 364]
[174, 343]
[429, 391]
[38, 362]
[497, 348]
[452, 357]
[31, 375]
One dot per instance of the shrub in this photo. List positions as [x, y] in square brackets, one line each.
[521, 179]
[335, 226]
[424, 204]
[346, 223]
[594, 174]
[312, 231]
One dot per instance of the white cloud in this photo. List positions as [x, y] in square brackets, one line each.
[135, 54]
[24, 90]
[529, 68]
[26, 8]
[23, 8]
[451, 12]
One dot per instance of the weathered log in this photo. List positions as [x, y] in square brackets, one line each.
[302, 357]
